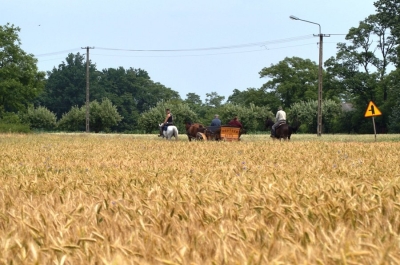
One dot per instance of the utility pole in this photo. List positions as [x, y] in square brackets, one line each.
[321, 40]
[87, 86]
[319, 120]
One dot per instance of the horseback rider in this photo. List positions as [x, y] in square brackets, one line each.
[280, 119]
[169, 120]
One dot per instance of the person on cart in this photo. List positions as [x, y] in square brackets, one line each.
[235, 122]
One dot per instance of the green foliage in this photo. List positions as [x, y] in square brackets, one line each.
[20, 80]
[214, 100]
[132, 92]
[194, 102]
[258, 97]
[181, 112]
[252, 117]
[306, 112]
[11, 123]
[66, 85]
[40, 118]
[73, 120]
[13, 128]
[103, 116]
[292, 80]
[10, 118]
[394, 120]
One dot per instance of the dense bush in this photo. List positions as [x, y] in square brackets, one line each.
[181, 112]
[394, 119]
[40, 118]
[14, 128]
[11, 123]
[306, 112]
[102, 116]
[252, 117]
[10, 118]
[74, 120]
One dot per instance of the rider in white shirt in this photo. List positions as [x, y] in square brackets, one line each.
[280, 118]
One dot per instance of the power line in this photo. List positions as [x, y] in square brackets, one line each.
[195, 55]
[264, 43]
[212, 48]
[54, 53]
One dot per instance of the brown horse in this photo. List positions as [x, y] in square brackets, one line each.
[192, 129]
[283, 131]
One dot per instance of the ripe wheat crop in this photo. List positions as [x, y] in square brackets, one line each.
[93, 199]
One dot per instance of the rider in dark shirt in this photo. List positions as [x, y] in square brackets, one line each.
[169, 120]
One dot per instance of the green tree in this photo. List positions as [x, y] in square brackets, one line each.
[291, 80]
[193, 99]
[66, 85]
[394, 87]
[133, 92]
[40, 118]
[214, 100]
[150, 119]
[359, 73]
[103, 116]
[73, 120]
[195, 104]
[252, 117]
[305, 112]
[20, 80]
[258, 97]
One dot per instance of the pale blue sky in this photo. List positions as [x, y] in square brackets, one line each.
[68, 25]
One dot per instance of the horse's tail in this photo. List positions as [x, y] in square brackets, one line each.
[176, 133]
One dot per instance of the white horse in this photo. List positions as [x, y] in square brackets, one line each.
[171, 131]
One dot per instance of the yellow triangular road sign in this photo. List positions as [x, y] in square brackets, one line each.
[372, 110]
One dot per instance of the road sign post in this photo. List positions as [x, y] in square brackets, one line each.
[372, 111]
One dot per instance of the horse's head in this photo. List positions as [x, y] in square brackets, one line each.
[295, 126]
[268, 123]
[188, 124]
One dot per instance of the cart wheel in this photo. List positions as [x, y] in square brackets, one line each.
[200, 136]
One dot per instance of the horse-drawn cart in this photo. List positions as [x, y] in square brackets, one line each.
[220, 133]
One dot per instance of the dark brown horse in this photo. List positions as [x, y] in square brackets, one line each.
[192, 129]
[283, 131]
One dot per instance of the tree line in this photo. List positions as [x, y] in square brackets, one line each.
[364, 68]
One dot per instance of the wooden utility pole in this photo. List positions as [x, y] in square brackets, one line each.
[319, 119]
[87, 86]
[321, 40]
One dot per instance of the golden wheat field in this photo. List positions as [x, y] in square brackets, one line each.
[125, 199]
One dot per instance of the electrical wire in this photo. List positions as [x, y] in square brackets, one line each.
[212, 48]
[54, 53]
[195, 55]
[264, 44]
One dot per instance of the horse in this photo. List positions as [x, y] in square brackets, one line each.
[171, 131]
[283, 130]
[192, 129]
